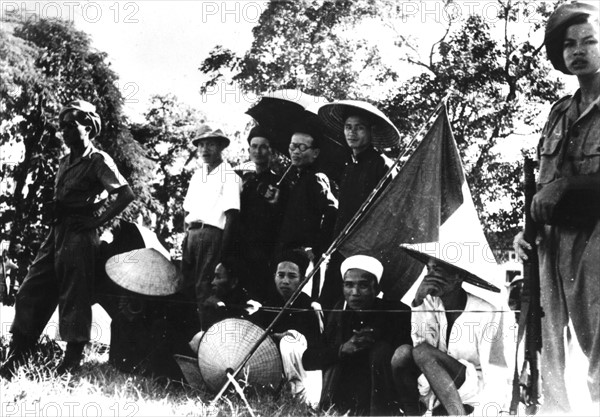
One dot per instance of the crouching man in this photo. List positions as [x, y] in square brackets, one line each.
[297, 328]
[356, 348]
[460, 347]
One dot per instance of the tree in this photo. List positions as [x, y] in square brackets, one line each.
[167, 134]
[498, 86]
[302, 45]
[499, 82]
[44, 64]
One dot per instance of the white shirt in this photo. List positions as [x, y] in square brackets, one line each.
[480, 337]
[209, 196]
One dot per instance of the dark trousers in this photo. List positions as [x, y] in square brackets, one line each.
[201, 255]
[62, 274]
[365, 385]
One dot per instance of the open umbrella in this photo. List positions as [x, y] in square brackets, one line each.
[278, 111]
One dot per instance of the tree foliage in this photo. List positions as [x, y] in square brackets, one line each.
[498, 81]
[167, 134]
[303, 45]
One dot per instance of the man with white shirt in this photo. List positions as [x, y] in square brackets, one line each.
[212, 204]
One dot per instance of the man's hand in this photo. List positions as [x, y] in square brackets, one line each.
[213, 301]
[521, 246]
[545, 200]
[431, 285]
[361, 339]
[279, 336]
[272, 194]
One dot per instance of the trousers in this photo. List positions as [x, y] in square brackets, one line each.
[570, 283]
[62, 274]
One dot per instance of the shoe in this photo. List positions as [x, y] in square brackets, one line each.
[72, 359]
[20, 350]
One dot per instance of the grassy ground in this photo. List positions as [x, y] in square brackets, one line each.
[100, 389]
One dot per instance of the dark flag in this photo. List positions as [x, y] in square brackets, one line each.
[415, 208]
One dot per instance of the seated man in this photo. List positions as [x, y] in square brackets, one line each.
[228, 299]
[356, 347]
[297, 328]
[459, 354]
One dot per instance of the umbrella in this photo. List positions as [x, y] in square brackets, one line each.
[279, 110]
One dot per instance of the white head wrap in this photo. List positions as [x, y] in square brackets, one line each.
[364, 262]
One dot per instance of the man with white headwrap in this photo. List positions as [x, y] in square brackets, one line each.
[359, 339]
[63, 271]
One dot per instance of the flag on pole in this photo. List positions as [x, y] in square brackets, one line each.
[427, 203]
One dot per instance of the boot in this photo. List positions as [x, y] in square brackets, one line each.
[72, 358]
[20, 350]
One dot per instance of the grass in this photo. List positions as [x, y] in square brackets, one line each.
[98, 388]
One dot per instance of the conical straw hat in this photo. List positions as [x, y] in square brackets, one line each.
[226, 344]
[190, 370]
[385, 134]
[144, 271]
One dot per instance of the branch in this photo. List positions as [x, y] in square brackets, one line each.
[437, 43]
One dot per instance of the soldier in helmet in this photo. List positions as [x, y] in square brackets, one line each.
[62, 273]
[567, 205]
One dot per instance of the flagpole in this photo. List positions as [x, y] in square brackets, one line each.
[334, 245]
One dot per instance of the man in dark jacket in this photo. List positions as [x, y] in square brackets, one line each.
[311, 207]
[363, 127]
[297, 328]
[356, 347]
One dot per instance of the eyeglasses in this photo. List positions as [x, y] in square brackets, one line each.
[302, 146]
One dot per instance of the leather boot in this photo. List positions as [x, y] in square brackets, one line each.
[20, 350]
[72, 358]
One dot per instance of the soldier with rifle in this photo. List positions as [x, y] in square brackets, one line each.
[566, 206]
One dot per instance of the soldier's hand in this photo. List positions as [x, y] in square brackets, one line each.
[545, 201]
[521, 246]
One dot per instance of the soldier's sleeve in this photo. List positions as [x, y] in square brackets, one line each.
[107, 172]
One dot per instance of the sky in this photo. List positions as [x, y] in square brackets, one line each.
[157, 46]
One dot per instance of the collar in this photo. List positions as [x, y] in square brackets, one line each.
[367, 153]
[575, 99]
[86, 155]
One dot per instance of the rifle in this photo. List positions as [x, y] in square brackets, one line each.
[526, 387]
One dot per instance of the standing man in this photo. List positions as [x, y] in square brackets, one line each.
[357, 345]
[311, 208]
[63, 272]
[362, 125]
[260, 217]
[567, 205]
[212, 204]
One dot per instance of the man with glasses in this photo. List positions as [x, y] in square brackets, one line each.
[311, 208]
[63, 272]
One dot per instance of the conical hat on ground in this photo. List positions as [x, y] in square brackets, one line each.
[190, 370]
[144, 271]
[226, 344]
